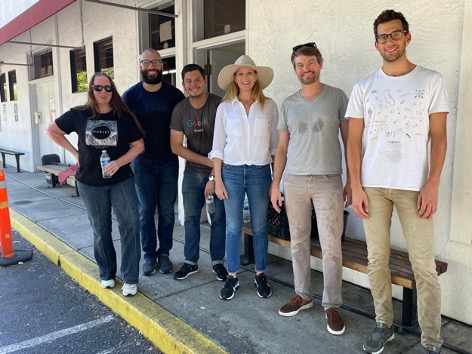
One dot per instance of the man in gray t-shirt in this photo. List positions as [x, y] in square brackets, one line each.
[310, 152]
[194, 118]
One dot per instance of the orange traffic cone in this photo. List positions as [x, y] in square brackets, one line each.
[8, 256]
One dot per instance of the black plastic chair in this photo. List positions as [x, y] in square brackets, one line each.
[51, 159]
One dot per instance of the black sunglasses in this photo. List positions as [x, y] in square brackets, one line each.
[311, 45]
[100, 88]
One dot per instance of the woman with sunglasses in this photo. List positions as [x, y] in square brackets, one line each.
[106, 123]
[244, 142]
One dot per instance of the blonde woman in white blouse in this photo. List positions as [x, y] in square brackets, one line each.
[244, 143]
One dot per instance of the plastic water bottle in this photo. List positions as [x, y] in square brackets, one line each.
[210, 204]
[104, 159]
[246, 212]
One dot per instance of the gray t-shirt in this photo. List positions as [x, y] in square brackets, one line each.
[197, 126]
[313, 125]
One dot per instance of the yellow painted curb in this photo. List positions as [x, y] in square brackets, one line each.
[166, 331]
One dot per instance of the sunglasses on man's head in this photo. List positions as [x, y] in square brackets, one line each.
[100, 88]
[311, 45]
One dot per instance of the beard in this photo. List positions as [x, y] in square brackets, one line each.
[152, 80]
[311, 80]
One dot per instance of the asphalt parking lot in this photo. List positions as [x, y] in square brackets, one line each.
[44, 311]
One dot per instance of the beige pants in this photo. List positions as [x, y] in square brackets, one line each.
[325, 193]
[419, 237]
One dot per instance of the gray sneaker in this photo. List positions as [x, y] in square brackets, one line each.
[375, 343]
[149, 266]
[165, 265]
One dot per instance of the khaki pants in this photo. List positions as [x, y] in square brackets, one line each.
[419, 237]
[325, 192]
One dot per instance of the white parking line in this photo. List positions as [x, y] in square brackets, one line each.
[55, 335]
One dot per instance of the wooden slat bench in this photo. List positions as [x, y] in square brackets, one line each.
[355, 257]
[17, 155]
[54, 171]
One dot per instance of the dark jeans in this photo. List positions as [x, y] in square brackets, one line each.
[156, 185]
[98, 202]
[193, 190]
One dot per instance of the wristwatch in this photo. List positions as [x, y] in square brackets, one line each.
[211, 178]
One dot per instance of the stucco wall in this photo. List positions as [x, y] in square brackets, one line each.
[343, 31]
[16, 134]
[100, 22]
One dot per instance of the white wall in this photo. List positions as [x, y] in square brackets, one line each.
[343, 32]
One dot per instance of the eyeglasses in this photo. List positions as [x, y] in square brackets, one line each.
[395, 35]
[99, 88]
[310, 45]
[155, 62]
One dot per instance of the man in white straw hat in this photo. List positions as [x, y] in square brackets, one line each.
[310, 152]
[244, 143]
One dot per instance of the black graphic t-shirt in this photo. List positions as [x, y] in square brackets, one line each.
[95, 135]
[101, 133]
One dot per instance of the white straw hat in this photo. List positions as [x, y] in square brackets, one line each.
[226, 76]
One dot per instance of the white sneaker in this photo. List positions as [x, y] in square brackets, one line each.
[129, 289]
[108, 283]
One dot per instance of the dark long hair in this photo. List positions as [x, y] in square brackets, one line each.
[118, 106]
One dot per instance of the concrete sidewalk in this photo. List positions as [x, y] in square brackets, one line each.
[187, 316]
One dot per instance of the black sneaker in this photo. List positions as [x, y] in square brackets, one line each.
[231, 285]
[263, 288]
[149, 266]
[164, 264]
[375, 343]
[221, 272]
[185, 271]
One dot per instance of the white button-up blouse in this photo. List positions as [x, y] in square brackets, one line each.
[241, 139]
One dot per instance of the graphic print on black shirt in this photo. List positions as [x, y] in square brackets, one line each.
[101, 133]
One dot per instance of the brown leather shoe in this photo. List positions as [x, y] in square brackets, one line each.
[295, 304]
[335, 321]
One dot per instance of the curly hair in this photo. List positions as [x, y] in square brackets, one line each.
[390, 15]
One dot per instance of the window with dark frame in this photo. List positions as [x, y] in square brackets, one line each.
[12, 85]
[43, 64]
[162, 28]
[223, 17]
[3, 88]
[169, 71]
[78, 70]
[103, 55]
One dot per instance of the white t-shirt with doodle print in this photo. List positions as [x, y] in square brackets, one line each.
[396, 114]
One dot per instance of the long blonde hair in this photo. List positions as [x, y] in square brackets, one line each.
[233, 90]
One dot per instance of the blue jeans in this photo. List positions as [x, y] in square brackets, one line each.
[193, 190]
[255, 182]
[98, 203]
[156, 185]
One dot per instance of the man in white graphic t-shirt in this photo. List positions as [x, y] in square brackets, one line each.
[393, 115]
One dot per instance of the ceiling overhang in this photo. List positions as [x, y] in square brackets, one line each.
[29, 18]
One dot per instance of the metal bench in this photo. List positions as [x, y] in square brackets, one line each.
[17, 155]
